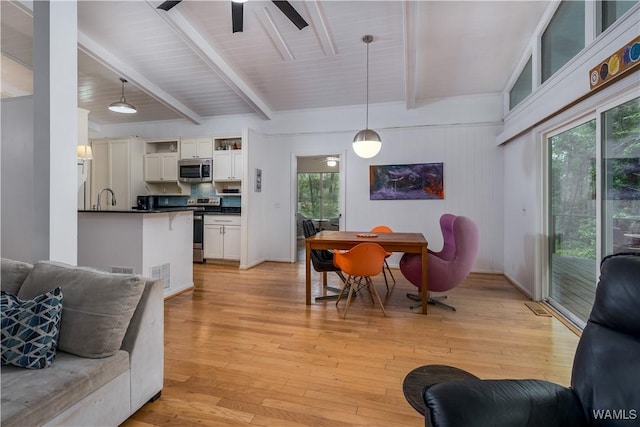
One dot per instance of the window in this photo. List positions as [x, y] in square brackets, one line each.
[522, 87]
[608, 12]
[563, 38]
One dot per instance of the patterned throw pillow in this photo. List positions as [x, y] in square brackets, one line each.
[30, 329]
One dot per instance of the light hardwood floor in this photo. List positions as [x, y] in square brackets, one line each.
[244, 349]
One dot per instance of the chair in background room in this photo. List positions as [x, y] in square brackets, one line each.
[604, 378]
[447, 268]
[322, 261]
[360, 263]
[385, 229]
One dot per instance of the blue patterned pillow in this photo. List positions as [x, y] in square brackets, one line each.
[30, 329]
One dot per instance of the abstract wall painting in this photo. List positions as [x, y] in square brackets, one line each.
[418, 181]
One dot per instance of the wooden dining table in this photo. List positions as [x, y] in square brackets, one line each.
[391, 242]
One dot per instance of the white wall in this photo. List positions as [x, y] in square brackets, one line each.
[461, 132]
[521, 211]
[17, 179]
[254, 226]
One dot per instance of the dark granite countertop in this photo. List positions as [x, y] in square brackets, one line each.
[140, 211]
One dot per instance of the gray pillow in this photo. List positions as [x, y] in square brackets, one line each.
[13, 274]
[97, 305]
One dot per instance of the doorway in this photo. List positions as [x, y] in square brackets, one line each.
[318, 195]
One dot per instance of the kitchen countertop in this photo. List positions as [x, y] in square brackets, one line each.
[139, 211]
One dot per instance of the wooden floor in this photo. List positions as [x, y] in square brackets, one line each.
[244, 349]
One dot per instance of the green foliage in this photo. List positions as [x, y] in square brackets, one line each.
[318, 195]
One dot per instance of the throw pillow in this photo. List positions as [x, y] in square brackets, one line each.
[30, 329]
[98, 306]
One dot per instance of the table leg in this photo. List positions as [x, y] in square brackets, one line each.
[307, 269]
[424, 288]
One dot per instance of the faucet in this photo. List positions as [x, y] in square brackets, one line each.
[113, 197]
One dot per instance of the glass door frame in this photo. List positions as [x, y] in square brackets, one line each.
[544, 265]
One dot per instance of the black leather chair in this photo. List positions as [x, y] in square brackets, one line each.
[322, 260]
[605, 380]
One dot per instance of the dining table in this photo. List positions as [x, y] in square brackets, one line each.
[391, 242]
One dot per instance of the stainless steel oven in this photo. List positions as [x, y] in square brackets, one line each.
[203, 205]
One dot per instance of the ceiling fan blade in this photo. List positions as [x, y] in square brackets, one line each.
[168, 5]
[291, 13]
[236, 16]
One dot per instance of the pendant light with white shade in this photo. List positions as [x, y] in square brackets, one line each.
[122, 106]
[367, 142]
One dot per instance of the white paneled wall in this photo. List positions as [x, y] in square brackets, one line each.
[473, 185]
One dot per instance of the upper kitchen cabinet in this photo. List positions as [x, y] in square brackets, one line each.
[194, 148]
[161, 160]
[161, 167]
[227, 159]
[116, 164]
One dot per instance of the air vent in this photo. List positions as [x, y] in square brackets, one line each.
[162, 272]
[122, 270]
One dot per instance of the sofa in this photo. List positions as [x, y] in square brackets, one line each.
[107, 354]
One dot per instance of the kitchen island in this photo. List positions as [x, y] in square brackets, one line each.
[154, 243]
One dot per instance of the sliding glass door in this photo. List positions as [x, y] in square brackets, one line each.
[594, 203]
[572, 219]
[621, 178]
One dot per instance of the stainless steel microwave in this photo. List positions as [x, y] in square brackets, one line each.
[195, 170]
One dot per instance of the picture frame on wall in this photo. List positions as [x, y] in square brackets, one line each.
[418, 181]
[258, 181]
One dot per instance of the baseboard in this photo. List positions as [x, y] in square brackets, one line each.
[518, 286]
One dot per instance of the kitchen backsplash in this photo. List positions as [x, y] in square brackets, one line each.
[199, 190]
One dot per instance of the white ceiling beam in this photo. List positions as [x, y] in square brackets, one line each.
[275, 35]
[320, 27]
[213, 59]
[410, 41]
[118, 66]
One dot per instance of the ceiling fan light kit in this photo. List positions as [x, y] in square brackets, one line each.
[122, 106]
[332, 161]
[367, 143]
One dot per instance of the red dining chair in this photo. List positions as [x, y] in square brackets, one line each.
[385, 229]
[360, 263]
[447, 268]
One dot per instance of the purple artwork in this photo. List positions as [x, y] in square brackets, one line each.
[407, 182]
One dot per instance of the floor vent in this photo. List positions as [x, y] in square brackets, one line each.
[162, 272]
[537, 309]
[122, 270]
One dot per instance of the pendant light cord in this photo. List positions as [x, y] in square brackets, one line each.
[367, 119]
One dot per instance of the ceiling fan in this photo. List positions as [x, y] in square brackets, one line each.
[237, 8]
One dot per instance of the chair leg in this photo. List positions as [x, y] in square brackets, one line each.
[346, 287]
[430, 300]
[375, 291]
[346, 307]
[386, 282]
[391, 274]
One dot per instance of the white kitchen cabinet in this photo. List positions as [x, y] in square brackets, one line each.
[117, 164]
[222, 237]
[227, 165]
[194, 148]
[159, 167]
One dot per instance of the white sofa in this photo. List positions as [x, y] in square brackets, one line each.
[77, 390]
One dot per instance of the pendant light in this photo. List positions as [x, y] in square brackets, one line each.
[367, 142]
[122, 106]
